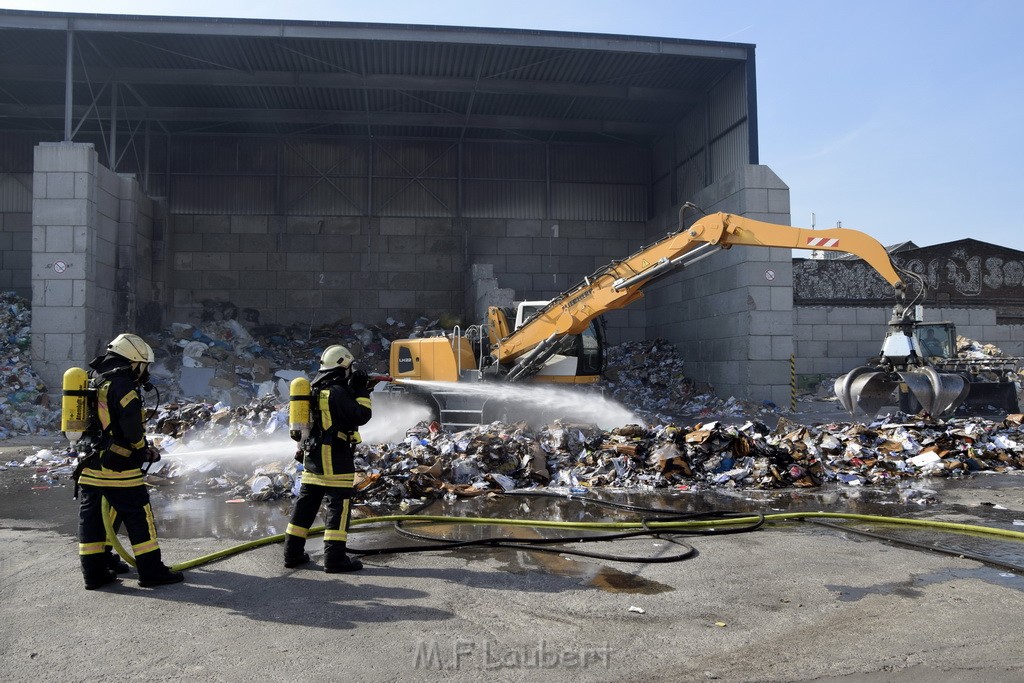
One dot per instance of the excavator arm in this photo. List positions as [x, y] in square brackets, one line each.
[620, 283]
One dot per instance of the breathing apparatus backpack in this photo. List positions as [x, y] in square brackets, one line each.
[79, 416]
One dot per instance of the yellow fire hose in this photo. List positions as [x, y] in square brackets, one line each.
[594, 526]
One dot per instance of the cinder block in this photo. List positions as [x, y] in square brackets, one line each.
[59, 185]
[842, 316]
[811, 315]
[61, 211]
[59, 319]
[771, 323]
[782, 347]
[57, 293]
[249, 225]
[392, 225]
[781, 298]
[759, 347]
[842, 349]
[872, 316]
[220, 242]
[64, 156]
[982, 316]
[220, 279]
[768, 372]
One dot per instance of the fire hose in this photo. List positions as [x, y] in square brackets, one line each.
[664, 528]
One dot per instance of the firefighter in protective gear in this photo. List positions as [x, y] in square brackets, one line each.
[114, 468]
[340, 404]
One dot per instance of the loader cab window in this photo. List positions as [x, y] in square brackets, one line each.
[935, 340]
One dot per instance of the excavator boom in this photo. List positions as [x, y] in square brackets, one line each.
[620, 283]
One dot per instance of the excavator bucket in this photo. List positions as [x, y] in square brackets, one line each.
[864, 388]
[938, 393]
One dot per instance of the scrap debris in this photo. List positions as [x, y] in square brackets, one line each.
[245, 369]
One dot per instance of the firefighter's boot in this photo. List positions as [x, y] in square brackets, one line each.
[336, 561]
[153, 572]
[95, 572]
[294, 555]
[115, 563]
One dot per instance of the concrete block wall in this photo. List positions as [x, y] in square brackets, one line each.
[731, 314]
[317, 270]
[78, 294]
[832, 340]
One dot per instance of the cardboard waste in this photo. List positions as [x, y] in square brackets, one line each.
[223, 388]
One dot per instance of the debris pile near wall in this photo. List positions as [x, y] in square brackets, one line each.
[24, 404]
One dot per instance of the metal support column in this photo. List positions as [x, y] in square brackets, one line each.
[68, 87]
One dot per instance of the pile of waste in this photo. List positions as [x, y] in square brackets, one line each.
[245, 455]
[24, 404]
[230, 361]
[648, 377]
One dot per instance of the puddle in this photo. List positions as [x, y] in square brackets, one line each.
[914, 587]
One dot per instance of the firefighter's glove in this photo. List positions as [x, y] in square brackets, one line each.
[152, 454]
[299, 456]
[359, 381]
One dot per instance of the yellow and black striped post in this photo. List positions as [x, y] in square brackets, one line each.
[792, 382]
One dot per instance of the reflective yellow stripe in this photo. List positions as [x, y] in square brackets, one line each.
[129, 397]
[104, 473]
[356, 438]
[150, 522]
[101, 405]
[139, 444]
[345, 481]
[86, 480]
[339, 535]
[325, 457]
[297, 531]
[91, 548]
[325, 410]
[120, 450]
[147, 547]
[365, 402]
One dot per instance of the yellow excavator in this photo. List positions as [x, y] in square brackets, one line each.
[562, 340]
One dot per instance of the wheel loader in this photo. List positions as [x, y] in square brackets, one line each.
[562, 340]
[991, 380]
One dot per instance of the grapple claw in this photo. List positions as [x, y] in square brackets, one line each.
[864, 388]
[938, 393]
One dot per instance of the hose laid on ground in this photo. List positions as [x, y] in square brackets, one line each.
[693, 526]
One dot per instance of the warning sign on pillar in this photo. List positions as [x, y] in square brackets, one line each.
[59, 267]
[769, 275]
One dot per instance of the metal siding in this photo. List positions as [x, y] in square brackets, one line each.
[420, 198]
[316, 158]
[15, 192]
[599, 202]
[503, 161]
[405, 159]
[323, 196]
[243, 195]
[600, 164]
[729, 153]
[727, 102]
[503, 199]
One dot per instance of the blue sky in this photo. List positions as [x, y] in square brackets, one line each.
[900, 118]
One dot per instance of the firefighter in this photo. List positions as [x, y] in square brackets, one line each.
[113, 469]
[340, 403]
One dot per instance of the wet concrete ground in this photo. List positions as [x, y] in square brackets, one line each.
[790, 602]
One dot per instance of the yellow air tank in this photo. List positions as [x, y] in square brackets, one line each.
[74, 408]
[299, 400]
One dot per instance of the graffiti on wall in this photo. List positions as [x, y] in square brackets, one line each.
[961, 272]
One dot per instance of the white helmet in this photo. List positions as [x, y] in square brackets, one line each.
[335, 357]
[131, 347]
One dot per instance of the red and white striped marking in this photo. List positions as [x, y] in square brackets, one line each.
[822, 241]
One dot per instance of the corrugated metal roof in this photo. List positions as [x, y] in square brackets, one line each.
[287, 77]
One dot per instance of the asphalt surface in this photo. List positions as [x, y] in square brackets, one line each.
[789, 602]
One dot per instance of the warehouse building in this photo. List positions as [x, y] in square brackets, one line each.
[310, 172]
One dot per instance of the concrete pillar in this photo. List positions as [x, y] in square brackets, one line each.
[84, 251]
[731, 315]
